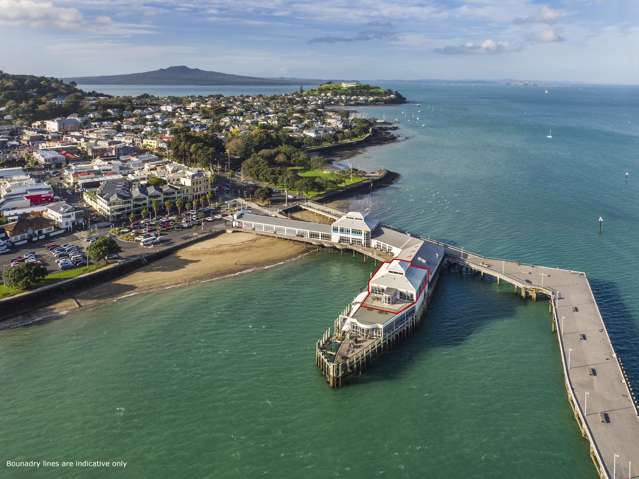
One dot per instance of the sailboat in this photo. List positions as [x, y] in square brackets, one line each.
[549, 135]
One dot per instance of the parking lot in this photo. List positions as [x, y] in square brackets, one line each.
[81, 240]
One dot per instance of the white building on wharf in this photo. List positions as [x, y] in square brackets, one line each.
[282, 226]
[394, 299]
[396, 294]
[353, 228]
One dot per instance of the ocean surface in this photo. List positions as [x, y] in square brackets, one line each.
[218, 380]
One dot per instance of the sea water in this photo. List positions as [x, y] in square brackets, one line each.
[218, 380]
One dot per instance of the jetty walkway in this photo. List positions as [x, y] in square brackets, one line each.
[598, 390]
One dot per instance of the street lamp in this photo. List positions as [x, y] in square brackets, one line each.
[562, 324]
[614, 466]
[629, 470]
[569, 351]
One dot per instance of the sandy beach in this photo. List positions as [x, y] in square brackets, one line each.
[224, 255]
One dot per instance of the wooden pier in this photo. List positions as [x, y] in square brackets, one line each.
[598, 390]
[599, 394]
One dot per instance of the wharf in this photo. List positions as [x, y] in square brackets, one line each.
[597, 386]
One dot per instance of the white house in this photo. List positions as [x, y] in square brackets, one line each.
[353, 228]
[49, 158]
[64, 215]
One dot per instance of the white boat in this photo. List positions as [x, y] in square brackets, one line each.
[627, 173]
[549, 135]
[546, 92]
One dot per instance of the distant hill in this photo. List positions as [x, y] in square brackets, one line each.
[25, 98]
[183, 75]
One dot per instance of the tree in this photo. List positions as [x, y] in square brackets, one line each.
[237, 146]
[263, 193]
[144, 213]
[24, 275]
[180, 205]
[196, 203]
[155, 204]
[102, 248]
[132, 218]
[209, 197]
[168, 204]
[155, 181]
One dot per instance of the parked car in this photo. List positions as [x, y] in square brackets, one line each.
[149, 241]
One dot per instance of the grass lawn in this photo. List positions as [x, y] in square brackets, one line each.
[6, 291]
[51, 278]
[332, 175]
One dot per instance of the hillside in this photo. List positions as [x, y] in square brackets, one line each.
[183, 75]
[354, 89]
[32, 98]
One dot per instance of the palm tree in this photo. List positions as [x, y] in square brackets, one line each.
[167, 206]
[155, 204]
[188, 205]
[180, 205]
[196, 203]
[209, 197]
[132, 218]
[144, 213]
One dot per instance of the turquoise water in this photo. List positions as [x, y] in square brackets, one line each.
[218, 380]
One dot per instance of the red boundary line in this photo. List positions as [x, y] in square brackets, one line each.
[420, 292]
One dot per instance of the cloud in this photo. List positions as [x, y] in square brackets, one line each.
[545, 15]
[488, 46]
[375, 30]
[548, 35]
[46, 14]
[38, 13]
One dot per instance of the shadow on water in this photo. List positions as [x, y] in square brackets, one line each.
[461, 306]
[621, 325]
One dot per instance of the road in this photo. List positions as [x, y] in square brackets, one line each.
[129, 249]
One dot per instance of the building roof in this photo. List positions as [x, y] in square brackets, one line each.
[60, 207]
[285, 222]
[356, 220]
[27, 223]
[115, 188]
[399, 275]
[392, 237]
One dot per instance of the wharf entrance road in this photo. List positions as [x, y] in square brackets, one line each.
[597, 386]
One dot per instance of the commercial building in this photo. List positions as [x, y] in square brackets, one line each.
[117, 199]
[49, 158]
[60, 125]
[23, 192]
[63, 214]
[29, 228]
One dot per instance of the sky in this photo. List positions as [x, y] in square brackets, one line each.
[591, 41]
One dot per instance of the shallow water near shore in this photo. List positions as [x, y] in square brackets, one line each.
[217, 380]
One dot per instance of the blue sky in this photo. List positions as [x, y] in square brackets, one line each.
[594, 41]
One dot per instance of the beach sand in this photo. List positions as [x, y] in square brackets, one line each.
[224, 255]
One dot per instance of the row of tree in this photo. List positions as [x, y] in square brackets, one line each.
[168, 205]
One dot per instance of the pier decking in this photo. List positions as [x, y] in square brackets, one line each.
[598, 391]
